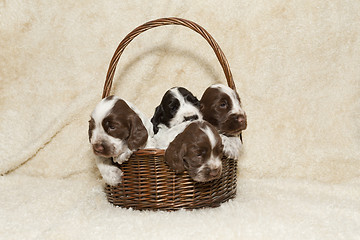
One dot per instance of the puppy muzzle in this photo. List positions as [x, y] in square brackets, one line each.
[103, 149]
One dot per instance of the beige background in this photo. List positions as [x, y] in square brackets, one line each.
[296, 68]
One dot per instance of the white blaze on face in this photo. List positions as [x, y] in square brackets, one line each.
[100, 112]
[236, 106]
[186, 109]
[99, 136]
[214, 162]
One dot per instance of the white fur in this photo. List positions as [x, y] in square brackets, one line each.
[110, 173]
[214, 162]
[166, 135]
[232, 146]
[211, 136]
[186, 109]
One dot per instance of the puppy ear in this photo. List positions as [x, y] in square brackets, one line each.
[156, 119]
[138, 133]
[174, 154]
[191, 98]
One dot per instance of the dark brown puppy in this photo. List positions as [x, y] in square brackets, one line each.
[221, 106]
[198, 149]
[115, 128]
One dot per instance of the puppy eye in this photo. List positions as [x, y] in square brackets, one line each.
[110, 125]
[173, 106]
[201, 152]
[223, 104]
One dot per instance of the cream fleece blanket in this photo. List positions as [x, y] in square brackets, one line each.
[296, 68]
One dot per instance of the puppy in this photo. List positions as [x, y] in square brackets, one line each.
[177, 105]
[198, 149]
[220, 105]
[116, 130]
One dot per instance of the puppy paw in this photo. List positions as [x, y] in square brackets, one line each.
[123, 157]
[113, 176]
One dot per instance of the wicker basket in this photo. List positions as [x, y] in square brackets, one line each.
[148, 183]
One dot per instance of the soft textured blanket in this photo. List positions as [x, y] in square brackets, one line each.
[296, 68]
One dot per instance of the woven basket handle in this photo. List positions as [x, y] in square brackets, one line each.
[161, 22]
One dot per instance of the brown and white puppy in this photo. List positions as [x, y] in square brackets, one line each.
[198, 149]
[221, 106]
[116, 130]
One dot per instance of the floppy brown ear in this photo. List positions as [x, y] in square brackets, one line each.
[138, 134]
[174, 154]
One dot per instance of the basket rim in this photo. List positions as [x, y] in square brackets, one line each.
[150, 151]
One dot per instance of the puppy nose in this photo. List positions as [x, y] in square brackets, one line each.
[215, 172]
[242, 120]
[98, 147]
[191, 118]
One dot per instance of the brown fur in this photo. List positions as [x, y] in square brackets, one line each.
[215, 106]
[122, 123]
[191, 149]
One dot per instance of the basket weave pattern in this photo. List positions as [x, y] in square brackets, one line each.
[148, 183]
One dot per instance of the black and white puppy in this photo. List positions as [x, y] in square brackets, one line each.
[116, 130]
[197, 149]
[221, 106]
[177, 105]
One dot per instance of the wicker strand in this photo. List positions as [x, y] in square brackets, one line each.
[161, 22]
